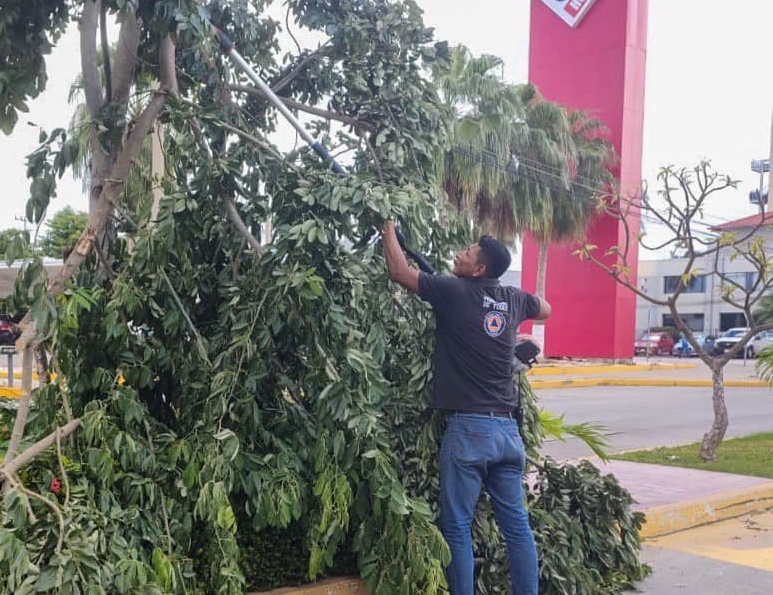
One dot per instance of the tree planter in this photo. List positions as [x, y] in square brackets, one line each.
[348, 585]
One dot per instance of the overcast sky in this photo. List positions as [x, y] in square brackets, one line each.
[709, 91]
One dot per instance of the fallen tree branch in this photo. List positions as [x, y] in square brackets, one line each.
[9, 468]
[21, 414]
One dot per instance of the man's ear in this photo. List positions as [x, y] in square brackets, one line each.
[479, 270]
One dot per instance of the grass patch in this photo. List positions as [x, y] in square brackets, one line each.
[750, 455]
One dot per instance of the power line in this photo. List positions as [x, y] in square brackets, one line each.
[521, 167]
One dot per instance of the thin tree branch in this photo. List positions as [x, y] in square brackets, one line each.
[287, 79]
[184, 312]
[315, 111]
[62, 470]
[230, 207]
[238, 222]
[17, 485]
[169, 539]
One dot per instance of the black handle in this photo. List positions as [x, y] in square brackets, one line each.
[420, 261]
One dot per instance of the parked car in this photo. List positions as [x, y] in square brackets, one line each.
[9, 332]
[759, 342]
[684, 349]
[654, 344]
[729, 339]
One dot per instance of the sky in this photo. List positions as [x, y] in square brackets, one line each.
[709, 92]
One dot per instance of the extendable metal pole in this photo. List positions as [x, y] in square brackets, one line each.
[228, 48]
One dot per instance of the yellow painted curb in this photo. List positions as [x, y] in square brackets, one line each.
[16, 375]
[334, 586]
[582, 382]
[612, 368]
[9, 392]
[670, 518]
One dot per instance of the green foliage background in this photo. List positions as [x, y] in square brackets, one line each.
[231, 400]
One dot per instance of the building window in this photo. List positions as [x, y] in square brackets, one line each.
[695, 284]
[694, 322]
[745, 280]
[731, 320]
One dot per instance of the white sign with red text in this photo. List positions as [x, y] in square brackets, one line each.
[570, 11]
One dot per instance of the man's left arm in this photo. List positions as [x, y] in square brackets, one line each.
[544, 309]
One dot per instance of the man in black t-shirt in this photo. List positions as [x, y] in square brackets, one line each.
[476, 331]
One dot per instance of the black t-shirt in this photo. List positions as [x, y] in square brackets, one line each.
[476, 326]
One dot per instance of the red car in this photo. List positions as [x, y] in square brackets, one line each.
[9, 332]
[654, 344]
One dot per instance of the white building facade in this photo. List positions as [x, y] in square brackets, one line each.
[700, 305]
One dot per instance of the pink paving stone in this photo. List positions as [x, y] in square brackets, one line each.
[656, 485]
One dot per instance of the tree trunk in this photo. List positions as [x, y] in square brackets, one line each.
[105, 191]
[538, 328]
[542, 268]
[713, 438]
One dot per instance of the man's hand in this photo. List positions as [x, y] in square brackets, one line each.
[523, 337]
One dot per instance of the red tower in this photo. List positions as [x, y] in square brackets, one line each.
[590, 55]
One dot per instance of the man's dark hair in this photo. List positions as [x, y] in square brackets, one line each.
[494, 255]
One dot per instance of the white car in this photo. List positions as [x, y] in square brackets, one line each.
[759, 342]
[727, 340]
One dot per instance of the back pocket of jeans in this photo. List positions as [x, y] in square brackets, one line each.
[469, 446]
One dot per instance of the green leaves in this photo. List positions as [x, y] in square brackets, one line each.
[586, 530]
[233, 398]
[27, 30]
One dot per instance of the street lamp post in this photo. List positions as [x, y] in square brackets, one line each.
[760, 197]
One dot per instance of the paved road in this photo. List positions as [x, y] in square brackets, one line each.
[681, 573]
[647, 417]
[734, 557]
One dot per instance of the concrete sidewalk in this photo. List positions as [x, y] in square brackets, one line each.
[676, 498]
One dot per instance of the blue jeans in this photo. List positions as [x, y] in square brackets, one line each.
[481, 450]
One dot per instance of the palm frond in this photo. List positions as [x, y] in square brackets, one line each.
[593, 435]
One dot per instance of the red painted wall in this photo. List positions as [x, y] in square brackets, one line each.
[598, 67]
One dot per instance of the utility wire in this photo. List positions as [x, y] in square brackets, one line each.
[520, 167]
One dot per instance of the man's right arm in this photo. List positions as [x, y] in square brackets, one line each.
[399, 270]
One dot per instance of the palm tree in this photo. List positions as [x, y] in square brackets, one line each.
[520, 163]
[537, 146]
[568, 193]
[480, 164]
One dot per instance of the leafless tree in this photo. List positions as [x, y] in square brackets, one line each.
[679, 208]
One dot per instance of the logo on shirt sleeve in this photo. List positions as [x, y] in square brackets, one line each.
[494, 324]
